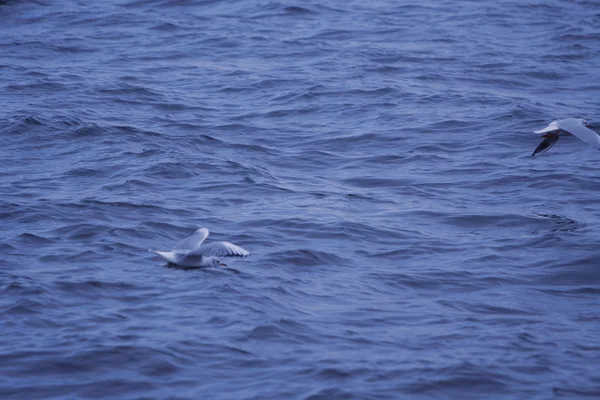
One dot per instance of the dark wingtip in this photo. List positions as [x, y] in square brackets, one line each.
[547, 142]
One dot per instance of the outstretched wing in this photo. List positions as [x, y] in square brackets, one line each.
[577, 128]
[222, 249]
[170, 256]
[193, 242]
[550, 128]
[548, 142]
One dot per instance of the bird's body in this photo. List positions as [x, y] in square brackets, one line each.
[190, 252]
[569, 126]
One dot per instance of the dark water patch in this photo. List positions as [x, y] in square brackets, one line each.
[569, 392]
[19, 288]
[49, 86]
[170, 170]
[479, 379]
[23, 307]
[79, 231]
[484, 309]
[130, 185]
[279, 331]
[576, 293]
[304, 258]
[378, 182]
[167, 27]
[296, 10]
[330, 393]
[94, 288]
[572, 270]
[31, 238]
[478, 221]
[419, 282]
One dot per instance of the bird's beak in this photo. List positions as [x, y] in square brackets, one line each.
[222, 264]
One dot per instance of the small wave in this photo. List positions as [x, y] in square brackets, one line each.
[20, 286]
[170, 170]
[484, 309]
[304, 258]
[282, 329]
[331, 393]
[24, 307]
[575, 392]
[95, 287]
[31, 238]
[574, 293]
[79, 231]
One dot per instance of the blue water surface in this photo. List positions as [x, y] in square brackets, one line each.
[373, 156]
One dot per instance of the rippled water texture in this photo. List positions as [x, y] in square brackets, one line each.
[373, 156]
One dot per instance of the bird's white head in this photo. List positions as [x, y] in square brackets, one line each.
[583, 121]
[213, 262]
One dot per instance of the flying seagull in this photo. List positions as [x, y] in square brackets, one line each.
[190, 252]
[562, 127]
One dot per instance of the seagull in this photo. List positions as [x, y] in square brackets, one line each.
[562, 127]
[191, 253]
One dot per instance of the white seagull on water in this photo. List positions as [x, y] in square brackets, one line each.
[191, 253]
[562, 127]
